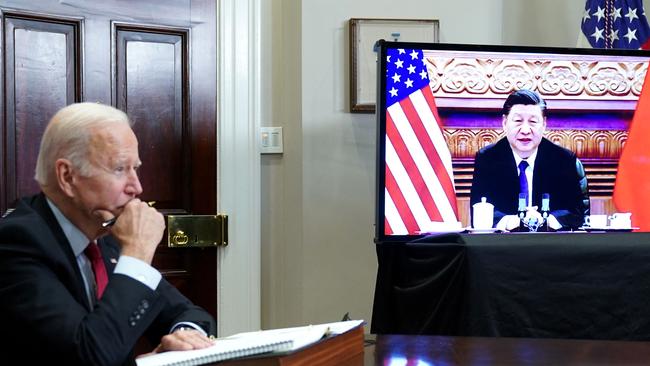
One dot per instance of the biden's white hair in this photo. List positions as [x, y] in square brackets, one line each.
[68, 134]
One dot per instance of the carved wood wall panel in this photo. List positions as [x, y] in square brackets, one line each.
[151, 86]
[42, 64]
[577, 77]
[587, 144]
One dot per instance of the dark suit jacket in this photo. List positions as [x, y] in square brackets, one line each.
[46, 318]
[557, 172]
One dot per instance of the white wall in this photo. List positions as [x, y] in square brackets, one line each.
[553, 23]
[318, 258]
[281, 175]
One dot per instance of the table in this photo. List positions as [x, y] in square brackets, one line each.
[444, 350]
[393, 350]
[542, 285]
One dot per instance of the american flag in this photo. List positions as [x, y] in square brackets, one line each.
[419, 178]
[615, 24]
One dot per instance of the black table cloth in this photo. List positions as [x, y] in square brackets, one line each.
[552, 285]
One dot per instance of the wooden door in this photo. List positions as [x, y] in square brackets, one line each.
[155, 60]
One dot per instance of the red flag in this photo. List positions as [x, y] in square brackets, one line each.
[632, 189]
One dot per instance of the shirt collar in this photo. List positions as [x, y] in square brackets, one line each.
[530, 159]
[78, 241]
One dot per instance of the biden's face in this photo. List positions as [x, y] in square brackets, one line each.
[113, 179]
[524, 127]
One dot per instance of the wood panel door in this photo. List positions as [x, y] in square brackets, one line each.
[155, 60]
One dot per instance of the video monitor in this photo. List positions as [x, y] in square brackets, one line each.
[438, 105]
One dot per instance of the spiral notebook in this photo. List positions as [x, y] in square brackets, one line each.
[240, 345]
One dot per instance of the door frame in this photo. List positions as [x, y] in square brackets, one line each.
[239, 112]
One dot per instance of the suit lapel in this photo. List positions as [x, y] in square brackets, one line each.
[40, 205]
[538, 173]
[110, 254]
[508, 166]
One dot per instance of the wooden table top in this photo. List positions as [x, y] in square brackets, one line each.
[440, 350]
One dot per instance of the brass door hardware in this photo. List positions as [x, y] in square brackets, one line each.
[185, 231]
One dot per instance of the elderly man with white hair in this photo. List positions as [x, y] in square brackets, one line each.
[73, 290]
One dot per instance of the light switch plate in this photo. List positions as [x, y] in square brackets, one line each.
[271, 141]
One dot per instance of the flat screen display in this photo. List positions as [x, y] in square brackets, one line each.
[447, 139]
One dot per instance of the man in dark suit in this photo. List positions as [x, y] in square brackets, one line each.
[60, 302]
[525, 162]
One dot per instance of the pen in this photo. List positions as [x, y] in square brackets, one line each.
[111, 222]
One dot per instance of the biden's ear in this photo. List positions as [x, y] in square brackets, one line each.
[65, 176]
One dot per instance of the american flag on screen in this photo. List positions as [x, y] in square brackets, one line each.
[615, 24]
[419, 178]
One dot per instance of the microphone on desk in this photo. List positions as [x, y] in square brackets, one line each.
[521, 210]
[546, 198]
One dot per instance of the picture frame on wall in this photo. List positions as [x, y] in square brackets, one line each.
[364, 34]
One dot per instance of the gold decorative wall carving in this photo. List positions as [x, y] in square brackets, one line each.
[580, 77]
[587, 144]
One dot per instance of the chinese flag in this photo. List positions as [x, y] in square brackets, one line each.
[632, 189]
